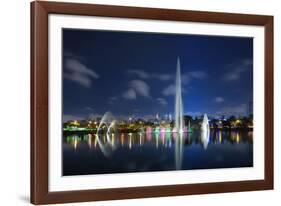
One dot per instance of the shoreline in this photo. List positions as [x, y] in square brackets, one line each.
[93, 131]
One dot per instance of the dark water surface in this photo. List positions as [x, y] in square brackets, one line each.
[139, 152]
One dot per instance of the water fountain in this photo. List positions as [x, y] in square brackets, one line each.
[179, 128]
[205, 131]
[178, 101]
[178, 119]
[107, 121]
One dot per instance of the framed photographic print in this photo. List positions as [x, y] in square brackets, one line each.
[133, 102]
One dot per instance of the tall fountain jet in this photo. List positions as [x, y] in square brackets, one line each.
[178, 119]
[178, 101]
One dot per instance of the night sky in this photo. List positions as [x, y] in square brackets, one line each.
[133, 74]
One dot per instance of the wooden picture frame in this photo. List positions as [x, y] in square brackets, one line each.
[40, 193]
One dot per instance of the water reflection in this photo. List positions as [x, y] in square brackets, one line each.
[179, 150]
[205, 137]
[107, 123]
[162, 139]
[205, 131]
[120, 146]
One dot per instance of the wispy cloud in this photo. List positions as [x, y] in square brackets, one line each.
[186, 78]
[139, 73]
[113, 98]
[144, 75]
[237, 69]
[219, 99]
[137, 87]
[199, 74]
[140, 87]
[79, 73]
[130, 94]
[171, 90]
[162, 101]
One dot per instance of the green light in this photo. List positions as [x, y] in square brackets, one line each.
[168, 135]
[168, 130]
[156, 130]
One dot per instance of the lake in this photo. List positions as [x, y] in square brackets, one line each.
[142, 152]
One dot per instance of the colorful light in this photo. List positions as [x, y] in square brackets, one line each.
[148, 130]
[149, 136]
[168, 130]
[174, 135]
[156, 130]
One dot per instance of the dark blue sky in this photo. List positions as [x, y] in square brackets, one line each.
[131, 73]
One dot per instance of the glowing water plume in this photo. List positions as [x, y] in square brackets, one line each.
[108, 147]
[178, 119]
[107, 117]
[178, 101]
[205, 131]
[110, 127]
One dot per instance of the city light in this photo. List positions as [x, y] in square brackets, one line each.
[160, 125]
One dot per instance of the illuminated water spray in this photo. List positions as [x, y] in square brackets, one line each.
[108, 122]
[178, 119]
[111, 126]
[178, 101]
[205, 131]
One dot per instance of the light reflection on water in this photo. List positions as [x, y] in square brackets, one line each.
[134, 152]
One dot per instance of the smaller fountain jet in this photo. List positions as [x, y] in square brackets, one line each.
[205, 131]
[108, 121]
